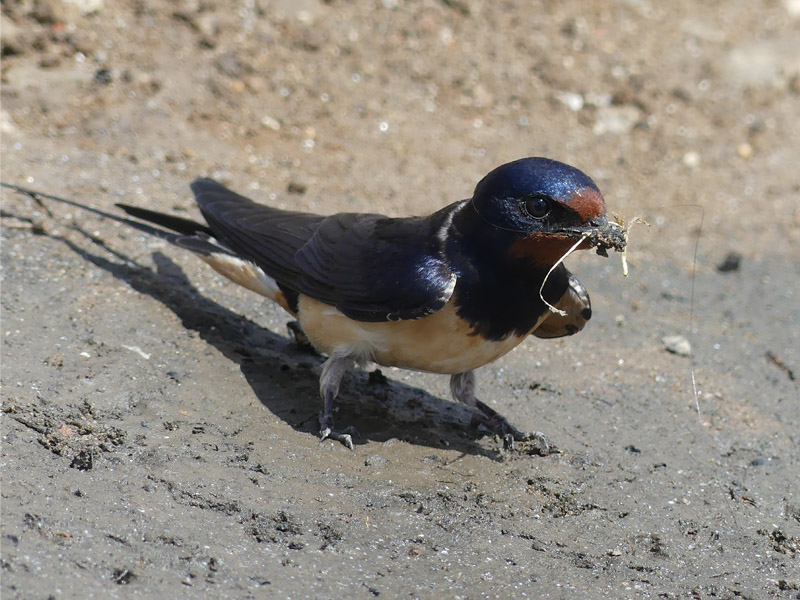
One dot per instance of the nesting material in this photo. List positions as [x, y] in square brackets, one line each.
[613, 236]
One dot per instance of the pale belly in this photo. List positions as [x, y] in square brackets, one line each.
[438, 343]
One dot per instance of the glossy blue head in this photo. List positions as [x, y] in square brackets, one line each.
[536, 195]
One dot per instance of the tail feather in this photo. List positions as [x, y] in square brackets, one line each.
[176, 224]
[147, 215]
[195, 237]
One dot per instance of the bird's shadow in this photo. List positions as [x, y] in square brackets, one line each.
[284, 376]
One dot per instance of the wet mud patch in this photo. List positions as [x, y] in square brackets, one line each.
[73, 433]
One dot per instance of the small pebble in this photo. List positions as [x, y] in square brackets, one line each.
[296, 188]
[270, 123]
[572, 100]
[677, 344]
[614, 119]
[375, 460]
[744, 150]
[732, 262]
[691, 159]
[103, 76]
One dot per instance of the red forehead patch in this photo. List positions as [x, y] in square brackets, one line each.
[588, 204]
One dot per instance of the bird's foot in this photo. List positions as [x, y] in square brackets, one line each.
[345, 436]
[326, 431]
[535, 442]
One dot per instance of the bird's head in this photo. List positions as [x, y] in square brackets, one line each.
[543, 207]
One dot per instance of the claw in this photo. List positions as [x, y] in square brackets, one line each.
[332, 372]
[344, 436]
[536, 443]
[499, 425]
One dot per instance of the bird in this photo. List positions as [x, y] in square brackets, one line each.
[444, 293]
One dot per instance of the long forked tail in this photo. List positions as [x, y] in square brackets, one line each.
[184, 233]
[189, 235]
[170, 236]
[171, 222]
[201, 240]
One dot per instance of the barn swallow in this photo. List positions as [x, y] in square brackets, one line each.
[445, 293]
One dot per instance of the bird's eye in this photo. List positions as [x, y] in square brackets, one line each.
[537, 207]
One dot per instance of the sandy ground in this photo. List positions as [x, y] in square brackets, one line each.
[158, 424]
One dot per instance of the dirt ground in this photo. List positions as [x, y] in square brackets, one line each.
[159, 427]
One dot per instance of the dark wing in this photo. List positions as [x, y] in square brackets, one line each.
[267, 236]
[575, 302]
[373, 268]
[370, 267]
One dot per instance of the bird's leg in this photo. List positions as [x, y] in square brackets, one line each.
[332, 372]
[462, 386]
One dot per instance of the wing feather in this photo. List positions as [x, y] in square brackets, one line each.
[268, 236]
[371, 267]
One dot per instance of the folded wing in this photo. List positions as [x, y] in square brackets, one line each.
[370, 267]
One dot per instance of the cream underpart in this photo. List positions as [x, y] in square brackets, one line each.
[438, 343]
[244, 273]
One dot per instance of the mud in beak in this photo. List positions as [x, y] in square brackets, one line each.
[600, 233]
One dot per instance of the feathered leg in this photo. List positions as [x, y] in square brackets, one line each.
[332, 372]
